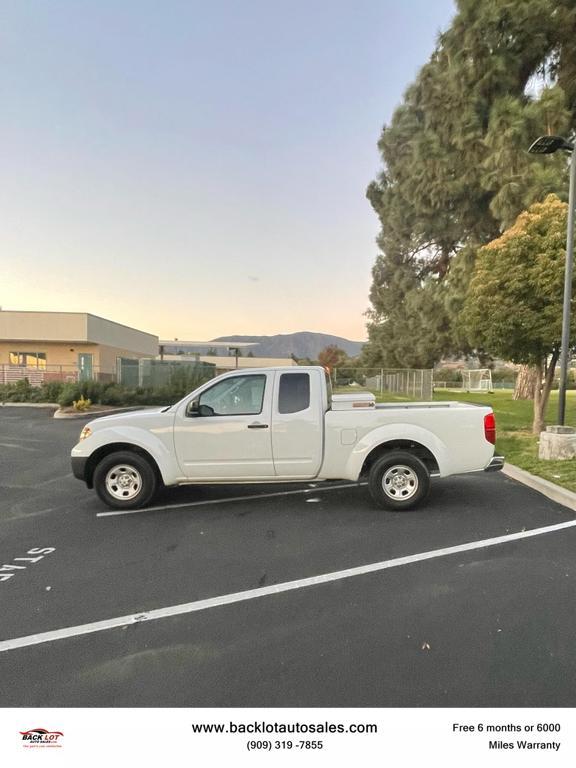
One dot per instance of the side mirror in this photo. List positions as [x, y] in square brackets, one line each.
[195, 409]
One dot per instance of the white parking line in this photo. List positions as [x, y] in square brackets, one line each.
[274, 589]
[117, 512]
[21, 439]
[54, 480]
[18, 447]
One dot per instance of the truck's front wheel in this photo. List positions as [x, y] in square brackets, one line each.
[399, 480]
[125, 480]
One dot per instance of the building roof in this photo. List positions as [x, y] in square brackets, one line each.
[73, 327]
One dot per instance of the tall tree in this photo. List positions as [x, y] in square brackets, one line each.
[514, 302]
[455, 168]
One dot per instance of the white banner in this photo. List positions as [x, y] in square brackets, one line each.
[287, 737]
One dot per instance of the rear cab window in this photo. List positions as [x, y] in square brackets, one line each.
[328, 387]
[294, 392]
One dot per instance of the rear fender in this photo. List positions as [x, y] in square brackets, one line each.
[392, 433]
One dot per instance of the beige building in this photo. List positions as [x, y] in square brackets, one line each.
[192, 350]
[229, 362]
[67, 345]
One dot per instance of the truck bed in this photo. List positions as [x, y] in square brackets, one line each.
[452, 431]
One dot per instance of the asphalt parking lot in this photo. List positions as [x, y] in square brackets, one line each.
[492, 625]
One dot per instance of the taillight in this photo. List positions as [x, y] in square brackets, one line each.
[490, 428]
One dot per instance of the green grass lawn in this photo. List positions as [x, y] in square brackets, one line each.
[514, 430]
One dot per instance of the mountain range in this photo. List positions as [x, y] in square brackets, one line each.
[301, 344]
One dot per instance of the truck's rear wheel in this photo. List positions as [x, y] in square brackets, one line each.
[125, 480]
[399, 480]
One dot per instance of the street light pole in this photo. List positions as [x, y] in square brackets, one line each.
[565, 347]
[547, 145]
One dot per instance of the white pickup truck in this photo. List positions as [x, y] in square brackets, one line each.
[279, 425]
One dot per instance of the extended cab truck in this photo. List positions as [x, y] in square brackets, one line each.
[281, 425]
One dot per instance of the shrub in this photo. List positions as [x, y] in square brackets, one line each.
[93, 390]
[82, 404]
[107, 393]
[19, 392]
[69, 393]
[114, 394]
[49, 392]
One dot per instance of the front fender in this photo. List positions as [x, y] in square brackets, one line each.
[141, 438]
[391, 433]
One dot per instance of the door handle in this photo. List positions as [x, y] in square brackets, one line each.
[256, 425]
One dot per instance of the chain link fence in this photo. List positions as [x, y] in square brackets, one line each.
[406, 382]
[152, 374]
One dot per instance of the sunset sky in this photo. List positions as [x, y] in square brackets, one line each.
[195, 169]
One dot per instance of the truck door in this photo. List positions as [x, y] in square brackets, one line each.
[297, 425]
[225, 433]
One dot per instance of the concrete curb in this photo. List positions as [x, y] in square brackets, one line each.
[29, 405]
[96, 414]
[58, 414]
[545, 487]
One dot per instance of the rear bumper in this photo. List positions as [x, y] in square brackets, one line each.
[495, 465]
[79, 466]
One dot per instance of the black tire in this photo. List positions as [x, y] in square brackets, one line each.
[409, 490]
[136, 485]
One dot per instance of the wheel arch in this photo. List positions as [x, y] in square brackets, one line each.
[411, 446]
[105, 450]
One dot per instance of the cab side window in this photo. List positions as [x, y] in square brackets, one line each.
[236, 396]
[294, 392]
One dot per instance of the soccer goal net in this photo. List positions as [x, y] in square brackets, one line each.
[477, 380]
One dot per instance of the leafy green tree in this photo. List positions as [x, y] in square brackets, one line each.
[514, 302]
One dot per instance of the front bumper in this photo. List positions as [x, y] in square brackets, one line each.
[495, 465]
[79, 466]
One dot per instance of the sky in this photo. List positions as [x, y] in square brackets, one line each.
[198, 169]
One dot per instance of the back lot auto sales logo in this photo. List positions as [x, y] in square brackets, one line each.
[40, 737]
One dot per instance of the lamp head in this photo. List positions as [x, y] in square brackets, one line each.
[547, 145]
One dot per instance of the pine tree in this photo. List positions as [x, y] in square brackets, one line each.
[456, 172]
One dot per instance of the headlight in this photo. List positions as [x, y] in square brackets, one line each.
[86, 432]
